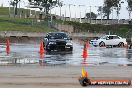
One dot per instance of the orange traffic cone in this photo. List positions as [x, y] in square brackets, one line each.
[85, 53]
[84, 74]
[85, 62]
[41, 49]
[7, 46]
[87, 44]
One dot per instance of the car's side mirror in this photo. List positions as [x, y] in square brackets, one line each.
[45, 37]
[96, 38]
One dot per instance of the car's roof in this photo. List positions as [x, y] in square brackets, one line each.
[110, 35]
[56, 32]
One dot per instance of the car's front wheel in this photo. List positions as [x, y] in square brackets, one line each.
[130, 46]
[70, 49]
[95, 45]
[121, 44]
[102, 44]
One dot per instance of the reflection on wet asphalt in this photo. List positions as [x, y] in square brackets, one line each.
[29, 54]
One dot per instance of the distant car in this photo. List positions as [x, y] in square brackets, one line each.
[107, 40]
[58, 41]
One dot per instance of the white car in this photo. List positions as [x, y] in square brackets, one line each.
[107, 40]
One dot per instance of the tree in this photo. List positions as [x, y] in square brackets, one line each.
[60, 4]
[107, 8]
[14, 4]
[46, 4]
[91, 15]
[129, 8]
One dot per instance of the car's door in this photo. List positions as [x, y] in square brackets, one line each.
[113, 40]
[109, 40]
[116, 40]
[102, 39]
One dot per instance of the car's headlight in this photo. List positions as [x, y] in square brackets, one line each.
[69, 43]
[52, 42]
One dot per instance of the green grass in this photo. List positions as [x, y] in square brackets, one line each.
[16, 24]
[124, 30]
[4, 11]
[30, 25]
[23, 24]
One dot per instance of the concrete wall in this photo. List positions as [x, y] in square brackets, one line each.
[21, 34]
[15, 34]
[64, 28]
[99, 21]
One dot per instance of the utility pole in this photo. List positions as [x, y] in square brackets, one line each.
[51, 18]
[55, 10]
[112, 14]
[75, 13]
[85, 15]
[9, 8]
[80, 13]
[90, 14]
[96, 17]
[2, 4]
[60, 5]
[65, 13]
[118, 14]
[101, 13]
[60, 12]
[70, 11]
[19, 9]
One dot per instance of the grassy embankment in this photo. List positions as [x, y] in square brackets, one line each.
[124, 30]
[28, 24]
[21, 24]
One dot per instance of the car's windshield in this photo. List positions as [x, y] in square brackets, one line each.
[110, 37]
[103, 37]
[57, 36]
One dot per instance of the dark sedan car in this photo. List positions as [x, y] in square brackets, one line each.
[58, 41]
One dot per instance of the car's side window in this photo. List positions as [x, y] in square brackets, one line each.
[116, 37]
[104, 37]
[110, 37]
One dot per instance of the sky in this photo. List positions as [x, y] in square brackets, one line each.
[78, 8]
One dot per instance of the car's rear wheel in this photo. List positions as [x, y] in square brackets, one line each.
[101, 44]
[121, 44]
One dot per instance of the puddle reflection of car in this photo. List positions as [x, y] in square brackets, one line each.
[58, 41]
[112, 40]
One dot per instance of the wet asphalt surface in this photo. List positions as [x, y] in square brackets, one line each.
[29, 54]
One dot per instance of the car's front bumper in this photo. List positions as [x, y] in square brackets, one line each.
[94, 43]
[54, 47]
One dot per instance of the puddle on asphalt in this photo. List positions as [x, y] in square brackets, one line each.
[29, 54]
